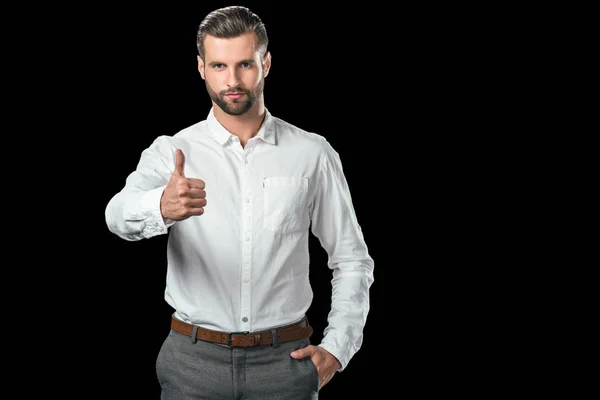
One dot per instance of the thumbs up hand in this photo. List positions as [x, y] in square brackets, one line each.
[183, 197]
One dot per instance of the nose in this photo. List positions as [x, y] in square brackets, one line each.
[233, 81]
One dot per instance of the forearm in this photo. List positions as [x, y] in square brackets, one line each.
[349, 308]
[133, 214]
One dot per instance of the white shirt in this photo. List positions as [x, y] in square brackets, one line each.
[244, 264]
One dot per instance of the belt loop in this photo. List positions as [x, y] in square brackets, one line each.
[274, 337]
[194, 334]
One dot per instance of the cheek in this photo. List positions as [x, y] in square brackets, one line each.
[212, 81]
[254, 79]
[211, 86]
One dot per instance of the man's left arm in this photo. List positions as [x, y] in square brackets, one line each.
[335, 224]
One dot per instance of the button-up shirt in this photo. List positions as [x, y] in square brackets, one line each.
[244, 264]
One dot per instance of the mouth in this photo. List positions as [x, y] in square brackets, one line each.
[234, 95]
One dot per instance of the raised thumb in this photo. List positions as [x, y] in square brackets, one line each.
[179, 161]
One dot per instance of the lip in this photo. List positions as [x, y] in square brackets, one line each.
[235, 95]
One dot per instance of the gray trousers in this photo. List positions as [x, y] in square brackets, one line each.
[204, 370]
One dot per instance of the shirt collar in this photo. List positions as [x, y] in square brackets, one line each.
[266, 132]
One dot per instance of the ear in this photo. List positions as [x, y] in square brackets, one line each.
[201, 67]
[267, 63]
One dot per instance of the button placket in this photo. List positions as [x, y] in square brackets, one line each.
[247, 241]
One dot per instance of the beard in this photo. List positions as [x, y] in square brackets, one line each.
[236, 106]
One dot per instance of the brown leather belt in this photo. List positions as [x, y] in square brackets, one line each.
[287, 333]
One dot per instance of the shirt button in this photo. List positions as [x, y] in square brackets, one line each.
[245, 319]
[246, 280]
[247, 199]
[247, 238]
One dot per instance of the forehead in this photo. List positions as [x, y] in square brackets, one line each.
[233, 49]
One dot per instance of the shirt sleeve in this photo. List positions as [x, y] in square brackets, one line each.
[134, 212]
[335, 224]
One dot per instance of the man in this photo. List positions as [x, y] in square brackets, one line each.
[238, 194]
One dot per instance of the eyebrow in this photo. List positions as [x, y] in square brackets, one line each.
[249, 61]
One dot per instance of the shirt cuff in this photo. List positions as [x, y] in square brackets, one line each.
[155, 224]
[340, 346]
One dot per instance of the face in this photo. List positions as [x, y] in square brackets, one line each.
[234, 72]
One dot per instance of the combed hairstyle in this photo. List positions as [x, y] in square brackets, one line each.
[230, 22]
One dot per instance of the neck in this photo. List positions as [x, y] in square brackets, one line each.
[244, 126]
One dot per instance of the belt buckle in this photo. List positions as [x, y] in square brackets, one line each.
[229, 340]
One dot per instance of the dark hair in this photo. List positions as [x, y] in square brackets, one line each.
[230, 22]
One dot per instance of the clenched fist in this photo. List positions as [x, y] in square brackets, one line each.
[183, 197]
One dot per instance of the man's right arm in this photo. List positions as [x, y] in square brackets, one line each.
[134, 212]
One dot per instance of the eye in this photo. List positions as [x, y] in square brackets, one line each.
[246, 65]
[218, 66]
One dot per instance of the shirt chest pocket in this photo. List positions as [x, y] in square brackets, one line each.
[285, 203]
